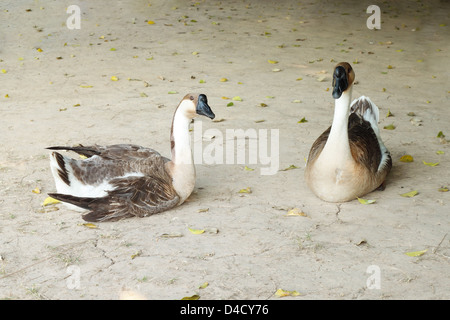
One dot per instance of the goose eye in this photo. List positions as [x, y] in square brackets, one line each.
[191, 97]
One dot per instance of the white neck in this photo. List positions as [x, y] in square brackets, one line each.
[182, 169]
[337, 143]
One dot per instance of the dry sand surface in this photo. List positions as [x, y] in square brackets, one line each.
[57, 89]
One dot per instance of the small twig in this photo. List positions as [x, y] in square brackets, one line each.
[437, 247]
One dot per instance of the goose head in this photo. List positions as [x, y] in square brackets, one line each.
[193, 105]
[343, 77]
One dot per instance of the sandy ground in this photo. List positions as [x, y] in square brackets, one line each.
[56, 89]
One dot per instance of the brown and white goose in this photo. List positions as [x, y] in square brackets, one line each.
[124, 180]
[349, 159]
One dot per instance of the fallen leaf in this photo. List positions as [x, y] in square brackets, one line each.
[219, 120]
[289, 168]
[48, 201]
[236, 98]
[296, 212]
[196, 231]
[443, 189]
[389, 127]
[440, 135]
[84, 86]
[246, 190]
[410, 194]
[440, 152]
[248, 169]
[366, 201]
[172, 92]
[272, 61]
[230, 104]
[302, 120]
[389, 113]
[112, 49]
[263, 105]
[171, 235]
[406, 158]
[36, 190]
[4, 71]
[299, 79]
[276, 70]
[89, 225]
[203, 210]
[284, 293]
[203, 285]
[39, 50]
[114, 78]
[430, 164]
[194, 297]
[416, 253]
[137, 254]
[223, 80]
[150, 22]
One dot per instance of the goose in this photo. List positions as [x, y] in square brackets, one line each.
[349, 159]
[126, 180]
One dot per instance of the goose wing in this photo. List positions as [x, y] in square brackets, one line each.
[131, 196]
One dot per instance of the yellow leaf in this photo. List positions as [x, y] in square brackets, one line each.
[203, 210]
[39, 50]
[151, 22]
[89, 225]
[430, 164]
[237, 98]
[6, 95]
[203, 285]
[406, 158]
[134, 255]
[48, 201]
[410, 194]
[299, 79]
[82, 86]
[246, 190]
[389, 114]
[389, 127]
[112, 49]
[196, 231]
[248, 169]
[272, 61]
[440, 152]
[365, 201]
[296, 212]
[443, 189]
[416, 253]
[284, 293]
[289, 168]
[223, 79]
[194, 297]
[4, 71]
[390, 67]
[36, 190]
[114, 78]
[302, 120]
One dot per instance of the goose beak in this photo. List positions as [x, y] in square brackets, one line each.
[203, 108]
[340, 82]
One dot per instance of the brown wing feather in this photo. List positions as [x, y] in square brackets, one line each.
[318, 145]
[364, 144]
[132, 196]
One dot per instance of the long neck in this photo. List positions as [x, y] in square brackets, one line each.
[337, 143]
[180, 140]
[181, 167]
